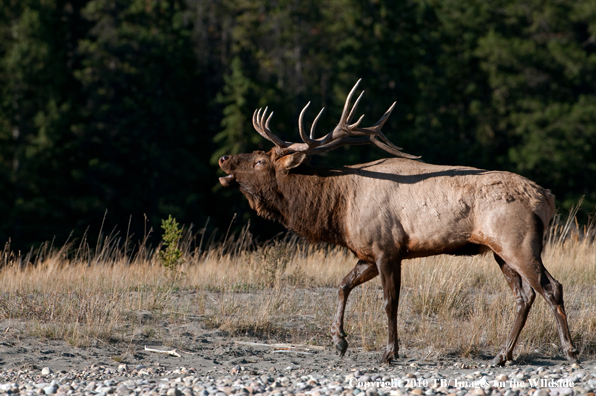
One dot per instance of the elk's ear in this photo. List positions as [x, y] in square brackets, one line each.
[293, 160]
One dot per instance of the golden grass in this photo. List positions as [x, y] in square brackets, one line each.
[287, 291]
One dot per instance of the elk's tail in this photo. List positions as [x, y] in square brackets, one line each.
[546, 211]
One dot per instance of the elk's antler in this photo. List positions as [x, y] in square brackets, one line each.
[343, 134]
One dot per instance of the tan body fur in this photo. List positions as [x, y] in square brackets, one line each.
[428, 209]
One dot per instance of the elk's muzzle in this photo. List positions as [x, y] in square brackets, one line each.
[229, 180]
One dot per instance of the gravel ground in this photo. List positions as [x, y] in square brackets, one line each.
[226, 367]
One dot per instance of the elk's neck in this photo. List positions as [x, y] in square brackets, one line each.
[313, 204]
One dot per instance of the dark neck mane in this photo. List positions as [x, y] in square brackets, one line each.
[313, 204]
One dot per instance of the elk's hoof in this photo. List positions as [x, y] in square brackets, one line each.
[502, 358]
[342, 347]
[499, 360]
[571, 355]
[387, 357]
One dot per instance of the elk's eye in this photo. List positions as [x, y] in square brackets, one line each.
[260, 163]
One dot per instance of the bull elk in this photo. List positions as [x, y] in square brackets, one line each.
[394, 209]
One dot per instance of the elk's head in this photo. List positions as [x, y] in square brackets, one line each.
[257, 174]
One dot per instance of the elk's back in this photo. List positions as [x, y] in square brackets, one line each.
[435, 209]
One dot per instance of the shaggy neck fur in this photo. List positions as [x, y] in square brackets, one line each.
[308, 201]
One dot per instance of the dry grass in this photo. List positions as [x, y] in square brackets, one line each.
[286, 291]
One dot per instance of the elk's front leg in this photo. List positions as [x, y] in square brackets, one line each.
[390, 270]
[362, 272]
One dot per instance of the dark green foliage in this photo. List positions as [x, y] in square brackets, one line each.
[127, 105]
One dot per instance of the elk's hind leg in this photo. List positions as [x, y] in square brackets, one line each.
[524, 259]
[362, 272]
[524, 297]
[552, 291]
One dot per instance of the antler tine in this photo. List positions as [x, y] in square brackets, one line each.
[314, 123]
[357, 123]
[261, 125]
[268, 120]
[305, 138]
[262, 119]
[310, 140]
[391, 148]
[385, 116]
[344, 113]
[377, 127]
[354, 109]
[255, 118]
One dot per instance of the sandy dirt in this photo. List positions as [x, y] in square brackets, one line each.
[212, 350]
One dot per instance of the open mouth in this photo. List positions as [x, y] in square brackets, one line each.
[228, 181]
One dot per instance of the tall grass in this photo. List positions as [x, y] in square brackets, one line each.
[286, 290]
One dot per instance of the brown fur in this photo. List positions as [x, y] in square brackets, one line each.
[395, 209]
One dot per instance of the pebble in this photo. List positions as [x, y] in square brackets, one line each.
[396, 380]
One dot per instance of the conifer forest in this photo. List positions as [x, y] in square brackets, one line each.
[113, 113]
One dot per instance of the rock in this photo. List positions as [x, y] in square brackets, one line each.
[541, 392]
[46, 371]
[123, 390]
[417, 391]
[226, 389]
[64, 388]
[174, 392]
[90, 386]
[50, 390]
[562, 391]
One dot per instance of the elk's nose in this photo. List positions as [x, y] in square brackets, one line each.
[224, 159]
